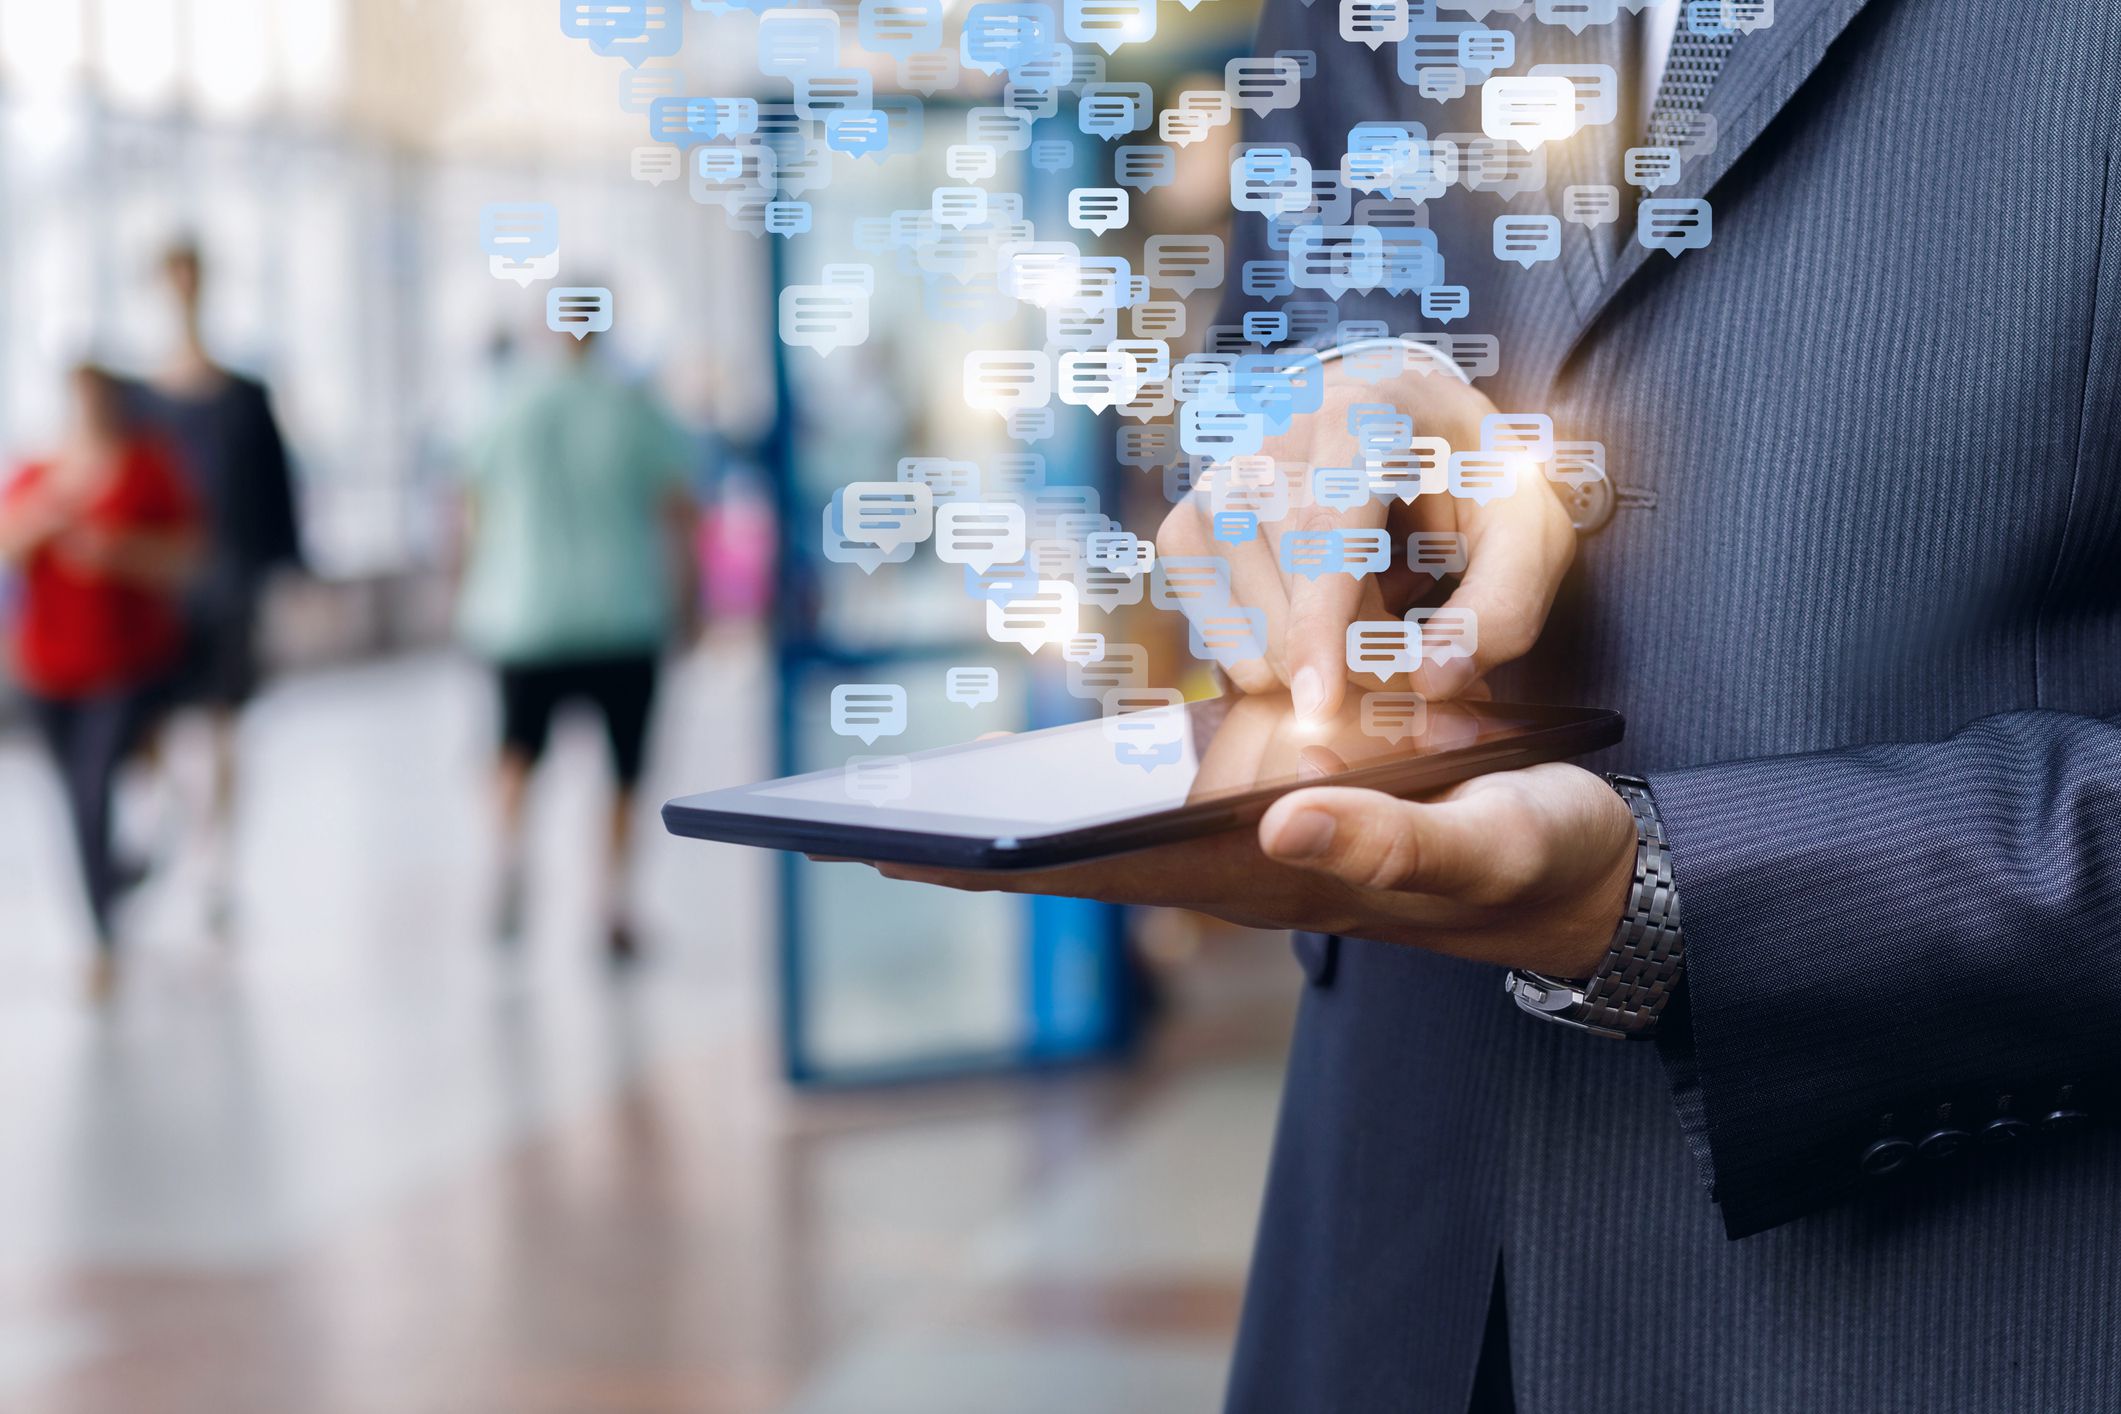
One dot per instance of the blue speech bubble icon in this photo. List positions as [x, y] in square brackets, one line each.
[603, 19]
[1112, 110]
[1235, 527]
[1527, 240]
[860, 132]
[1674, 224]
[578, 310]
[1310, 553]
[1053, 154]
[683, 120]
[1340, 488]
[1707, 17]
[519, 230]
[1266, 326]
[1145, 168]
[999, 36]
[1445, 303]
[787, 218]
[1279, 386]
[1380, 427]
[662, 34]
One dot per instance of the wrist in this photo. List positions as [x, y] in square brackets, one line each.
[1605, 903]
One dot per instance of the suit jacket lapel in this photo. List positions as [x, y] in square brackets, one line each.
[1764, 70]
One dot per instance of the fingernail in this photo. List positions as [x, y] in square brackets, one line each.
[1307, 692]
[1304, 835]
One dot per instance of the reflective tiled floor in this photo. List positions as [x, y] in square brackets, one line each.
[349, 1155]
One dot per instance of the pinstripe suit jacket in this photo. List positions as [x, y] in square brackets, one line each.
[1862, 608]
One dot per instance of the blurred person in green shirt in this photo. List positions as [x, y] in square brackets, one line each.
[579, 568]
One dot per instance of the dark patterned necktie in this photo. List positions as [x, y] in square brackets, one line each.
[1690, 70]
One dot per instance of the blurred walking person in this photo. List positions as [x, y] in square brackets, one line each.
[104, 536]
[579, 570]
[221, 425]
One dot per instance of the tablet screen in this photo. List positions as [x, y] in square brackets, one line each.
[1137, 763]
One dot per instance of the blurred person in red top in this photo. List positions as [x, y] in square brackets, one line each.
[104, 535]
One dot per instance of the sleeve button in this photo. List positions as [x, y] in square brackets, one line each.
[2064, 1121]
[1941, 1144]
[1886, 1156]
[2005, 1130]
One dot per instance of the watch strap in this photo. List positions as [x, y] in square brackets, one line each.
[1630, 989]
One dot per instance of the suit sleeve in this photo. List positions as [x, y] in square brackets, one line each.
[1899, 958]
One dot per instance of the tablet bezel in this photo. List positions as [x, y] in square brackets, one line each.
[910, 837]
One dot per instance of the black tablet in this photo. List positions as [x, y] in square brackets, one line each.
[1131, 779]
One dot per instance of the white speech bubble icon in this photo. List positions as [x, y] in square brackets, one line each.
[868, 710]
[1445, 633]
[1597, 90]
[1746, 16]
[1183, 264]
[1577, 464]
[1121, 665]
[1097, 209]
[1120, 551]
[1097, 379]
[1437, 552]
[1383, 649]
[867, 556]
[981, 534]
[1372, 23]
[972, 687]
[579, 310]
[1590, 206]
[1482, 477]
[1394, 716]
[1260, 86]
[1526, 434]
[1528, 109]
[1083, 648]
[887, 513]
[1421, 468]
[657, 164]
[966, 162]
[1008, 380]
[877, 780]
[1651, 168]
[524, 271]
[1527, 239]
[1049, 614]
[824, 318]
[1145, 725]
[1674, 224]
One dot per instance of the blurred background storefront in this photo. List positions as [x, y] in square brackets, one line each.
[833, 1144]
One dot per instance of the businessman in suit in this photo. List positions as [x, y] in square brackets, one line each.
[1854, 577]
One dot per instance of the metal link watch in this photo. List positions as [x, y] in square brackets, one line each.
[1630, 988]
